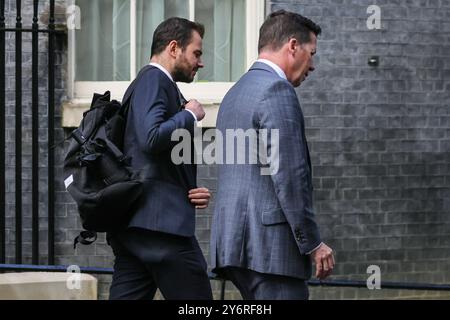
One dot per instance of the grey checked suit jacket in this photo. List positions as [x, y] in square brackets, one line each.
[265, 222]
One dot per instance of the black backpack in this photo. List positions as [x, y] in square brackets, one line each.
[97, 174]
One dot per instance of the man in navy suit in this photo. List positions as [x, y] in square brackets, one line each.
[158, 248]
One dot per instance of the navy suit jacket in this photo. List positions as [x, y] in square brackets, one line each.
[155, 112]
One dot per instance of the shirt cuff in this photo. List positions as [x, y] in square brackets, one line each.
[195, 118]
[315, 248]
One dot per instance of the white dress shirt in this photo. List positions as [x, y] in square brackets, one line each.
[274, 66]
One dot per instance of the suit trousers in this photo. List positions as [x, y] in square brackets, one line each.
[262, 286]
[146, 260]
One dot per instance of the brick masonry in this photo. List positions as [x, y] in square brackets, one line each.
[379, 139]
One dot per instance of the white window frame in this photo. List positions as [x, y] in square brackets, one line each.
[209, 93]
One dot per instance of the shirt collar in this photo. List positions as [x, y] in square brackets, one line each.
[274, 66]
[160, 67]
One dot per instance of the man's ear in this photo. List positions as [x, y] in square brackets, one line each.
[293, 45]
[173, 48]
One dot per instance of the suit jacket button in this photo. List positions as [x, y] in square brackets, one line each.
[297, 234]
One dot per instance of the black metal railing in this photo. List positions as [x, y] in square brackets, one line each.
[315, 283]
[18, 135]
[18, 32]
[2, 133]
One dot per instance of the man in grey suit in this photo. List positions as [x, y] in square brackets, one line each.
[264, 235]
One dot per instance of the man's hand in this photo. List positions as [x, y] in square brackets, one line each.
[199, 197]
[196, 108]
[324, 260]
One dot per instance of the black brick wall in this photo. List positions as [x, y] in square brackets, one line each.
[379, 138]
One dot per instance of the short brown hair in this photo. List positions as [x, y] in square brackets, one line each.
[282, 25]
[178, 29]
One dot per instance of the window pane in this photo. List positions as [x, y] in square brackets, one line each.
[224, 43]
[103, 42]
[150, 13]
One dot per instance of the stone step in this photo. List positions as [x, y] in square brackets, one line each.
[47, 286]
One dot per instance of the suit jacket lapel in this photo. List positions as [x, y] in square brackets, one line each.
[181, 100]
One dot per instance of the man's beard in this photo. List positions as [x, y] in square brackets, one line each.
[181, 74]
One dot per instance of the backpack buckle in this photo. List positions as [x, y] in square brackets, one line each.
[78, 136]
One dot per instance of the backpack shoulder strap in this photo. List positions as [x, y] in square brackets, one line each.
[126, 101]
[129, 93]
